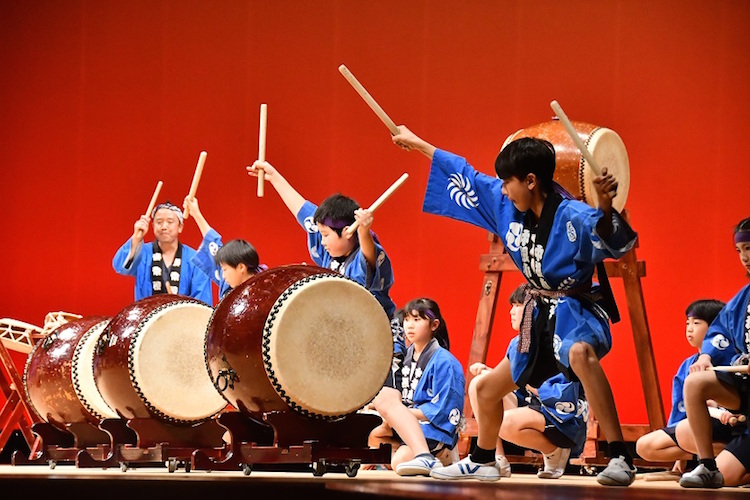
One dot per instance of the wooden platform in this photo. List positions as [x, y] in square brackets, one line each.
[113, 484]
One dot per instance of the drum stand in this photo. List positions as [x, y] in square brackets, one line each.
[630, 270]
[286, 439]
[56, 446]
[16, 412]
[148, 441]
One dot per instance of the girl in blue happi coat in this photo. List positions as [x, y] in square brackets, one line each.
[432, 390]
[726, 342]
[227, 265]
[556, 243]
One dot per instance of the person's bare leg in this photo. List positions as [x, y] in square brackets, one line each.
[491, 388]
[388, 404]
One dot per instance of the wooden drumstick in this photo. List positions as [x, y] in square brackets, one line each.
[196, 180]
[717, 412]
[576, 138]
[262, 147]
[387, 194]
[151, 205]
[368, 99]
[730, 369]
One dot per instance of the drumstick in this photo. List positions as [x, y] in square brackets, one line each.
[262, 147]
[368, 99]
[576, 138]
[729, 369]
[387, 194]
[139, 232]
[717, 412]
[196, 180]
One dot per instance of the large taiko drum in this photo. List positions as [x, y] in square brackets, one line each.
[302, 338]
[59, 377]
[571, 168]
[150, 361]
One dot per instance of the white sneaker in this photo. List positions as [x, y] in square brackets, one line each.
[417, 466]
[466, 469]
[617, 473]
[701, 477]
[554, 464]
[501, 462]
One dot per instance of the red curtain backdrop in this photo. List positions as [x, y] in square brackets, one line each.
[101, 99]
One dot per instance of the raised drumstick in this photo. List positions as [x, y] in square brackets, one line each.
[262, 146]
[387, 194]
[194, 185]
[151, 205]
[576, 138]
[368, 99]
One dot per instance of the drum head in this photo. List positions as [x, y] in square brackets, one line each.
[609, 152]
[327, 346]
[82, 372]
[167, 363]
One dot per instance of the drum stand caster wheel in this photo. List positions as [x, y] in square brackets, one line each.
[171, 465]
[188, 466]
[352, 468]
[319, 467]
[52, 464]
[124, 466]
[247, 469]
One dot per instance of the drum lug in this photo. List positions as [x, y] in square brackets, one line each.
[226, 376]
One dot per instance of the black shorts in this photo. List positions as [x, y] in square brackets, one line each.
[552, 433]
[720, 433]
[740, 448]
[741, 383]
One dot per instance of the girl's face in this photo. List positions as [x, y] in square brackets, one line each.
[417, 329]
[335, 245]
[743, 248]
[695, 330]
[516, 315]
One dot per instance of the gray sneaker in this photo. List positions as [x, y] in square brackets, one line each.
[554, 464]
[701, 477]
[466, 469]
[617, 473]
[417, 466]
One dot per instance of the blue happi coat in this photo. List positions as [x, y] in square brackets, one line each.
[678, 400]
[355, 267]
[728, 336]
[204, 260]
[438, 390]
[193, 282]
[566, 261]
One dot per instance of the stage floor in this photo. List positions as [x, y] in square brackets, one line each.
[114, 484]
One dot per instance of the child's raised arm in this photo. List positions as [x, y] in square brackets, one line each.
[408, 140]
[366, 243]
[292, 199]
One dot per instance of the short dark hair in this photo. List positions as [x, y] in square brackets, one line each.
[705, 309]
[428, 309]
[338, 210]
[528, 155]
[518, 295]
[236, 252]
[743, 226]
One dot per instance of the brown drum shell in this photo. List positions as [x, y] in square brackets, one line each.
[112, 359]
[234, 339]
[48, 377]
[569, 162]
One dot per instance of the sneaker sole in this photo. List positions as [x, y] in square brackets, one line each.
[412, 471]
[609, 481]
[438, 475]
[548, 475]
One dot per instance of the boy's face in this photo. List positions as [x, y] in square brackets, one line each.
[234, 276]
[516, 315]
[518, 192]
[167, 226]
[743, 249]
[695, 330]
[335, 245]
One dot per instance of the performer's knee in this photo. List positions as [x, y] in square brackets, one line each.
[581, 355]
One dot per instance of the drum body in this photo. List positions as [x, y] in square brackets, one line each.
[150, 363]
[59, 377]
[571, 168]
[302, 338]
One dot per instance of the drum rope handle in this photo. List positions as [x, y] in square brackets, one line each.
[227, 376]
